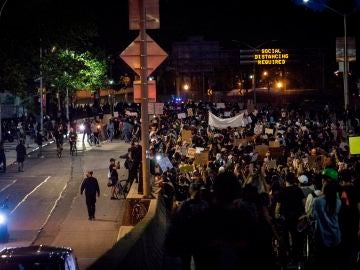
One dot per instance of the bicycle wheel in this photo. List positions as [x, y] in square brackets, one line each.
[121, 189]
[138, 213]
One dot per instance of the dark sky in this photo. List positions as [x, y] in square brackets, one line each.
[250, 21]
[253, 22]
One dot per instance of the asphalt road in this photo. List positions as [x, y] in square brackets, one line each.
[46, 206]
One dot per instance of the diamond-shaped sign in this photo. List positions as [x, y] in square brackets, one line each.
[155, 55]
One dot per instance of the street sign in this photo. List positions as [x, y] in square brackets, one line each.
[151, 91]
[152, 14]
[155, 55]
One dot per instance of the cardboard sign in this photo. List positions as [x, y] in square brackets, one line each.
[274, 144]
[243, 142]
[202, 158]
[165, 164]
[199, 149]
[269, 131]
[181, 115]
[262, 149]
[316, 162]
[191, 152]
[271, 164]
[190, 112]
[184, 151]
[186, 135]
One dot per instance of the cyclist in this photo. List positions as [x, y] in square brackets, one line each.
[72, 139]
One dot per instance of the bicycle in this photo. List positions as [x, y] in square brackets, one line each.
[59, 151]
[92, 140]
[73, 149]
[138, 212]
[121, 189]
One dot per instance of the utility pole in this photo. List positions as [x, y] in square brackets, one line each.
[1, 10]
[145, 163]
[41, 101]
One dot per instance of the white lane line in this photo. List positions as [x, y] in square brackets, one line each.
[50, 214]
[27, 195]
[8, 185]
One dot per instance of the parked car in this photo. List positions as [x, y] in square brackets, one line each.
[39, 257]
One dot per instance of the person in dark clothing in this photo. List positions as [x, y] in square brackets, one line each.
[91, 186]
[290, 206]
[349, 220]
[20, 155]
[2, 156]
[136, 153]
[224, 236]
[177, 234]
[113, 167]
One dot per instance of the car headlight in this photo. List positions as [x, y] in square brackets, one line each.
[2, 219]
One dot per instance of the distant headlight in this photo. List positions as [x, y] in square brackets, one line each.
[2, 219]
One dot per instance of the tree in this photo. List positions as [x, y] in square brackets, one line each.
[71, 70]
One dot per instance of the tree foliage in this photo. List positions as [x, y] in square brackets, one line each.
[73, 70]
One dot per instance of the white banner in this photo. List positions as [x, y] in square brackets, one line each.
[240, 120]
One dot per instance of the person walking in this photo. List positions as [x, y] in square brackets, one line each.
[91, 186]
[2, 156]
[20, 155]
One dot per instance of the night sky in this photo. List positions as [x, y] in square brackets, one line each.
[253, 22]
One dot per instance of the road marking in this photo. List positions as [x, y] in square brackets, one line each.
[27, 195]
[8, 185]
[50, 214]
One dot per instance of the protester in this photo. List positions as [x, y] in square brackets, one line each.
[20, 155]
[91, 187]
[2, 157]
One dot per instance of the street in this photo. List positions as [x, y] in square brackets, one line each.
[46, 206]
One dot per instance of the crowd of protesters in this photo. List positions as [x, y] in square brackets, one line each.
[233, 205]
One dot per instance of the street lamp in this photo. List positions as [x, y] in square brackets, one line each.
[346, 62]
[1, 10]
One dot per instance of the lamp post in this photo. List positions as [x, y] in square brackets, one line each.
[346, 62]
[1, 10]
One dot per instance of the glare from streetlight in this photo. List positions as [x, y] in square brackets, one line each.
[279, 85]
[265, 73]
[186, 86]
[305, 1]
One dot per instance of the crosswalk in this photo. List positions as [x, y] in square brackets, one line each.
[10, 146]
